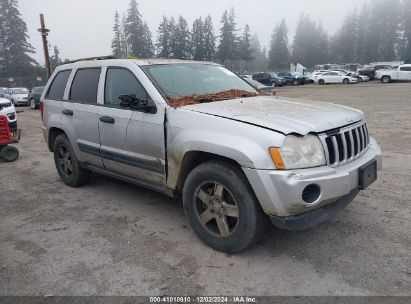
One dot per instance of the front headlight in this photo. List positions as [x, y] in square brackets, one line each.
[299, 152]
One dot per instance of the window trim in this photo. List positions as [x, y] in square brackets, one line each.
[54, 79]
[71, 86]
[135, 77]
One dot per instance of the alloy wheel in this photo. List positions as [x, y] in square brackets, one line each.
[216, 209]
[64, 161]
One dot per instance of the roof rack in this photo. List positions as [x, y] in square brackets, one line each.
[93, 58]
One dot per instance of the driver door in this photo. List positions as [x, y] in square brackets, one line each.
[125, 136]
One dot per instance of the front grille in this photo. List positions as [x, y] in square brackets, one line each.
[346, 144]
[5, 105]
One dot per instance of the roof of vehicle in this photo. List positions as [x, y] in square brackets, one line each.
[140, 62]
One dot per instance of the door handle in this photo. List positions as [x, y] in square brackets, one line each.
[68, 112]
[107, 119]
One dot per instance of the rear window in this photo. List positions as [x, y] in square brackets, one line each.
[85, 86]
[58, 86]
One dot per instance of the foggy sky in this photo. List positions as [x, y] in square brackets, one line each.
[83, 28]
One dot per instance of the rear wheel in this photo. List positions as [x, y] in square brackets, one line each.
[386, 79]
[9, 154]
[296, 82]
[346, 81]
[222, 208]
[68, 167]
[273, 84]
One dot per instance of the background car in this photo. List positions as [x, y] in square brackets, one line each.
[334, 77]
[7, 109]
[34, 97]
[261, 87]
[18, 96]
[2, 92]
[269, 79]
[369, 71]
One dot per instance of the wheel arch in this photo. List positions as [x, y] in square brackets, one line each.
[53, 134]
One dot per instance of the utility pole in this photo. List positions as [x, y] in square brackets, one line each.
[44, 32]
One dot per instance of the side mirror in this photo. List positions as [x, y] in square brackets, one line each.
[134, 103]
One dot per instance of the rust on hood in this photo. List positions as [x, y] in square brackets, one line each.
[196, 99]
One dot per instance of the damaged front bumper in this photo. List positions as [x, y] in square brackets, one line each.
[300, 199]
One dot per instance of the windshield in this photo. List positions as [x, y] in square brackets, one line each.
[20, 91]
[191, 83]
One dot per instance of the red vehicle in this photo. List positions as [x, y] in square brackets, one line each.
[8, 153]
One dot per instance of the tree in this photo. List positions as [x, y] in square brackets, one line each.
[260, 61]
[209, 39]
[137, 32]
[279, 52]
[406, 27]
[55, 60]
[163, 39]
[148, 45]
[245, 50]
[198, 39]
[181, 40]
[227, 50]
[118, 45]
[15, 50]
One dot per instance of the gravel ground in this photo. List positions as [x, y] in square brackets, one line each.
[113, 238]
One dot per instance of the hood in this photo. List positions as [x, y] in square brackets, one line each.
[284, 115]
[4, 100]
[20, 96]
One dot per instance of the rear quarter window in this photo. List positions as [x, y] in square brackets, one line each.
[85, 86]
[58, 85]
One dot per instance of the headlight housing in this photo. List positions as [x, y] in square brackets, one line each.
[299, 152]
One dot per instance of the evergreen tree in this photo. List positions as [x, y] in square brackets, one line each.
[260, 61]
[406, 27]
[118, 44]
[163, 39]
[148, 45]
[245, 51]
[137, 32]
[55, 60]
[305, 44]
[279, 53]
[15, 50]
[347, 39]
[198, 39]
[227, 50]
[209, 39]
[181, 40]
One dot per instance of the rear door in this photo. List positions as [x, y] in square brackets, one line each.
[132, 142]
[80, 115]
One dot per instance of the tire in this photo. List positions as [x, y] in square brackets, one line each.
[33, 104]
[346, 81]
[273, 84]
[67, 165]
[9, 154]
[12, 101]
[321, 82]
[385, 79]
[224, 190]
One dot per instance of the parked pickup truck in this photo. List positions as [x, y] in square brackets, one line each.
[198, 131]
[402, 73]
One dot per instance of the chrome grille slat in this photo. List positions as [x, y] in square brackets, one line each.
[345, 145]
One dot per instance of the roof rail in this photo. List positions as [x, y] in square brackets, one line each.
[93, 58]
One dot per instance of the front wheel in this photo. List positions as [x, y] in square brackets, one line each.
[273, 84]
[68, 167]
[33, 104]
[346, 81]
[386, 79]
[321, 82]
[222, 208]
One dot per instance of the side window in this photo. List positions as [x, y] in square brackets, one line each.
[85, 86]
[121, 82]
[407, 69]
[58, 86]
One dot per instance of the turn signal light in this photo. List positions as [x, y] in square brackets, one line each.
[277, 159]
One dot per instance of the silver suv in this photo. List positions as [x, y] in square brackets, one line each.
[195, 129]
